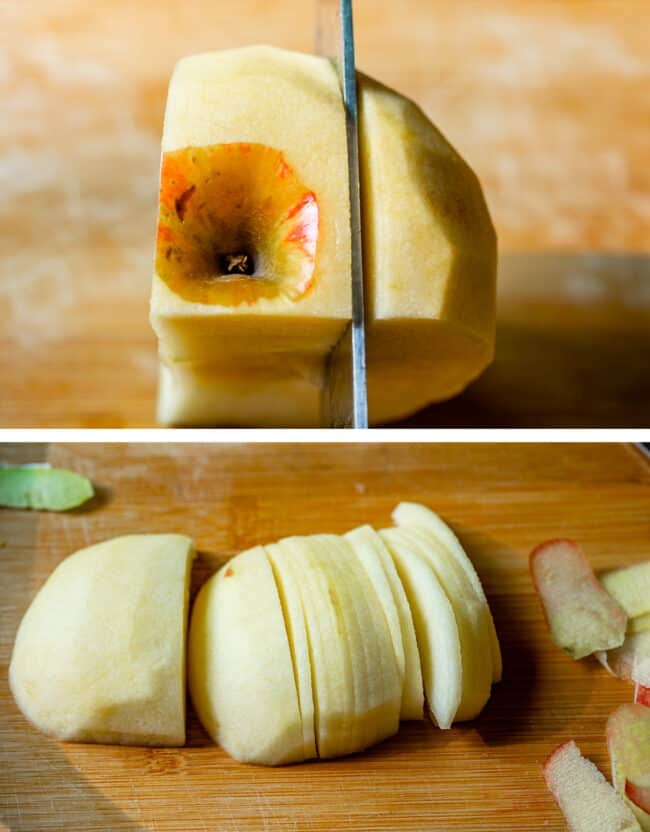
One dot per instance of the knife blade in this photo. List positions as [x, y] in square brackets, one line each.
[345, 397]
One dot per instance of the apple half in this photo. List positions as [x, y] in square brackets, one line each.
[240, 670]
[586, 800]
[100, 654]
[582, 616]
[628, 741]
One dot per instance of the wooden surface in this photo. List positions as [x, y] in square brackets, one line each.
[546, 99]
[501, 499]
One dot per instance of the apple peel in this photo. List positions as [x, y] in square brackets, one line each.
[628, 742]
[43, 488]
[630, 661]
[582, 617]
[586, 800]
[642, 695]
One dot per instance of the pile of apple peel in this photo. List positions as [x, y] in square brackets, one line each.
[610, 619]
[252, 287]
[307, 647]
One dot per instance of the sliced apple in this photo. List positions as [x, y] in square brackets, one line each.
[332, 681]
[628, 741]
[435, 628]
[582, 617]
[429, 257]
[421, 517]
[585, 798]
[288, 588]
[470, 620]
[630, 588]
[630, 661]
[241, 675]
[375, 668]
[642, 695]
[100, 654]
[376, 560]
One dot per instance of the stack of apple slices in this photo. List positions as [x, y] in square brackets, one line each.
[311, 646]
[318, 646]
[252, 282]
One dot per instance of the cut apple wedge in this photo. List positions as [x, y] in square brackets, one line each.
[435, 628]
[421, 517]
[642, 695]
[582, 617]
[100, 654]
[585, 798]
[376, 671]
[630, 588]
[628, 741]
[332, 681]
[240, 670]
[630, 661]
[289, 591]
[470, 619]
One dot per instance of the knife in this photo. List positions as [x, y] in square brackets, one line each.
[345, 397]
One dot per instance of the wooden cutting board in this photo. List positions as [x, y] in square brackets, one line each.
[501, 499]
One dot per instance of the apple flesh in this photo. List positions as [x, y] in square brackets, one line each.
[438, 534]
[639, 624]
[582, 617]
[630, 588]
[429, 257]
[375, 558]
[100, 654]
[253, 247]
[435, 627]
[241, 675]
[628, 741]
[586, 800]
[253, 251]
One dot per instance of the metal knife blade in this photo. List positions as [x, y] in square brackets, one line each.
[345, 397]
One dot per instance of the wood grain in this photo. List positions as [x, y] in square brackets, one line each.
[546, 99]
[501, 499]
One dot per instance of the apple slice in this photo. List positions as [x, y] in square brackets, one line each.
[288, 589]
[628, 741]
[582, 617]
[470, 620]
[642, 695]
[630, 587]
[100, 654]
[241, 675]
[435, 628]
[414, 514]
[332, 681]
[375, 669]
[585, 798]
[376, 560]
[630, 661]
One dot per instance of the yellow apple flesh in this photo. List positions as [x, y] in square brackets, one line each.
[240, 670]
[375, 558]
[429, 258]
[100, 653]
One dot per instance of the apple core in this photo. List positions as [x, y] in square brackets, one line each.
[235, 225]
